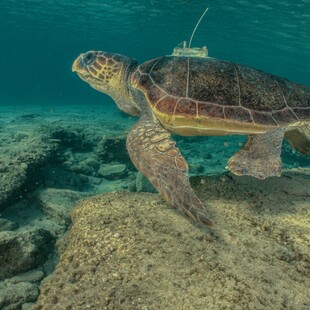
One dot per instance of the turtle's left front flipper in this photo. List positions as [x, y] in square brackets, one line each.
[154, 153]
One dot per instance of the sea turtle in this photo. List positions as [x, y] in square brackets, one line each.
[190, 95]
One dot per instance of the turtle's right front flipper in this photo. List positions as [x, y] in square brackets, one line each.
[154, 153]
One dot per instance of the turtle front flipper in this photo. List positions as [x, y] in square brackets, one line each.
[154, 153]
[261, 155]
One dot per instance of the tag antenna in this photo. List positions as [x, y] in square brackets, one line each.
[204, 13]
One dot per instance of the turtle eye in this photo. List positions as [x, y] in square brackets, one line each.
[88, 59]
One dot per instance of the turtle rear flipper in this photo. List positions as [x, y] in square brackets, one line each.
[261, 155]
[154, 153]
[299, 138]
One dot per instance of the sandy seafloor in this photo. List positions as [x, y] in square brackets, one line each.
[129, 250]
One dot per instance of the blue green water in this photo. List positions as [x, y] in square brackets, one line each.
[40, 39]
[59, 137]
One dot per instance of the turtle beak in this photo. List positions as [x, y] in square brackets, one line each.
[76, 66]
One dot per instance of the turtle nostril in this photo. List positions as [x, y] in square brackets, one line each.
[88, 59]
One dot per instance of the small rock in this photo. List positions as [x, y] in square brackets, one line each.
[112, 171]
[6, 225]
[94, 180]
[20, 252]
[31, 276]
[81, 167]
[92, 162]
[14, 295]
[143, 184]
[27, 305]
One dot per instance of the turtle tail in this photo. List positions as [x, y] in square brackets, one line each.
[299, 138]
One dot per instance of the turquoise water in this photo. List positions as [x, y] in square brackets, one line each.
[62, 141]
[40, 39]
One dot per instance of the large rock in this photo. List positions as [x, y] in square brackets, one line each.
[12, 297]
[20, 252]
[20, 163]
[56, 203]
[19, 291]
[132, 251]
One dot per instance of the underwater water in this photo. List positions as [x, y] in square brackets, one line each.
[61, 142]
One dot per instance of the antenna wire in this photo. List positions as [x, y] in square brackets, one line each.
[204, 13]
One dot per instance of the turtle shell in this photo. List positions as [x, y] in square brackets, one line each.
[204, 96]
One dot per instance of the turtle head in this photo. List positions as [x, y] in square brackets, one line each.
[108, 73]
